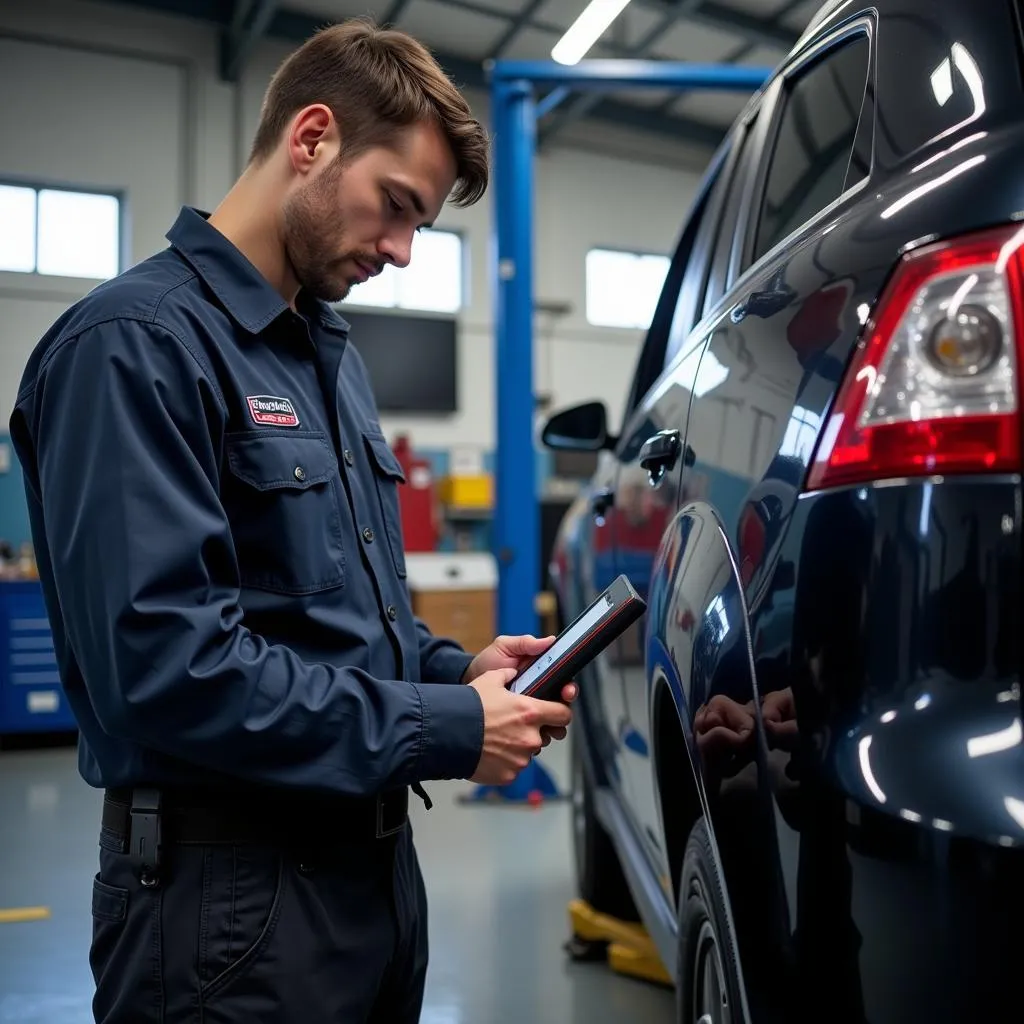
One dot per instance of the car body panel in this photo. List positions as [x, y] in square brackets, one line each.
[869, 817]
[582, 566]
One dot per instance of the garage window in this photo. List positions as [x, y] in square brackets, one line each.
[59, 232]
[623, 287]
[433, 281]
[816, 156]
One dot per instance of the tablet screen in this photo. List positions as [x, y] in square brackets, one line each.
[563, 644]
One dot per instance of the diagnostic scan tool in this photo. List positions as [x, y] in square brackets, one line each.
[614, 611]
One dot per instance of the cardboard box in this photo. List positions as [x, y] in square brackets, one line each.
[455, 595]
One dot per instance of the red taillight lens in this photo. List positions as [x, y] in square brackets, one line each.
[933, 388]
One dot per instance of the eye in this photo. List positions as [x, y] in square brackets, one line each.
[393, 203]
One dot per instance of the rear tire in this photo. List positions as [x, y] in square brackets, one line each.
[599, 878]
[708, 989]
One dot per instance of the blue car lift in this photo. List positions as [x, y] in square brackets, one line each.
[514, 115]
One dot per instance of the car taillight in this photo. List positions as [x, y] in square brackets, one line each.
[933, 387]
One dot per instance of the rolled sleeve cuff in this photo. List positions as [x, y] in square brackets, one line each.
[452, 738]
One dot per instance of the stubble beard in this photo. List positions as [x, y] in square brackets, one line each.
[311, 221]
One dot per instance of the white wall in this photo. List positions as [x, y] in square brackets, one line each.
[110, 97]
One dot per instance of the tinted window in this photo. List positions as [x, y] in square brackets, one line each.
[719, 278]
[815, 142]
[700, 288]
[653, 354]
[687, 310]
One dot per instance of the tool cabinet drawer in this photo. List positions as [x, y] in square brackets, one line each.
[31, 697]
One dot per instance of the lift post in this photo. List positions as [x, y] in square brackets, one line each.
[514, 114]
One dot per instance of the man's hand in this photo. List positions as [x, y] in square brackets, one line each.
[517, 652]
[724, 729]
[507, 652]
[514, 727]
[778, 712]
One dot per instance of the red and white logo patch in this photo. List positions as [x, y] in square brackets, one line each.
[268, 411]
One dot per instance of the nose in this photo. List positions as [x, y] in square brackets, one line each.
[397, 249]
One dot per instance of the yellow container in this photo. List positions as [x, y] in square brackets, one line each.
[475, 491]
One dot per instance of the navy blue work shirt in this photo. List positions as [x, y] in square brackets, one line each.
[215, 515]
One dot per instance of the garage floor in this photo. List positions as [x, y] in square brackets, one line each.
[498, 879]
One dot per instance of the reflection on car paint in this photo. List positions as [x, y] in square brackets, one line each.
[831, 680]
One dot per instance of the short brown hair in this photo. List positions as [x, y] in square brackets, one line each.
[376, 81]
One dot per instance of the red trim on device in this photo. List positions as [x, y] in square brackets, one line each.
[605, 624]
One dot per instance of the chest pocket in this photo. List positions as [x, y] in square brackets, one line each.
[281, 495]
[387, 476]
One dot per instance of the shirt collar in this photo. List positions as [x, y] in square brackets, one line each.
[244, 291]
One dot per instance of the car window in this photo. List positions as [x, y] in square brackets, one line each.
[685, 262]
[689, 305]
[817, 143]
[718, 281]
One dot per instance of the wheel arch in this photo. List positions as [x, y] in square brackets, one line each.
[699, 650]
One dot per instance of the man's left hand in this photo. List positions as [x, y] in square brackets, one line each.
[517, 652]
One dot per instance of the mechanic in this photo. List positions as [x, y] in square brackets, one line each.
[215, 514]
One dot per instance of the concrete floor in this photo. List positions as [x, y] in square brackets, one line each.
[498, 879]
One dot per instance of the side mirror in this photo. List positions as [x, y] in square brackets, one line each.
[583, 428]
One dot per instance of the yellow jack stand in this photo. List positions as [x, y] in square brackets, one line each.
[626, 946]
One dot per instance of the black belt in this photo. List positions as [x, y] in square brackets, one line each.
[143, 820]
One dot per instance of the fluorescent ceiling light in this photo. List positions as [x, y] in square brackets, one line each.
[586, 30]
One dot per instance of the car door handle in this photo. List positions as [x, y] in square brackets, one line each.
[659, 454]
[601, 501]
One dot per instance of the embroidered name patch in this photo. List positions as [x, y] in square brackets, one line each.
[268, 411]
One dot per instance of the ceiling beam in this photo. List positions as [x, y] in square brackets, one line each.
[752, 28]
[684, 130]
[734, 56]
[710, 13]
[714, 15]
[584, 104]
[295, 27]
[516, 25]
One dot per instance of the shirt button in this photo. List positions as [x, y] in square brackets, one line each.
[348, 457]
[300, 473]
[392, 612]
[368, 535]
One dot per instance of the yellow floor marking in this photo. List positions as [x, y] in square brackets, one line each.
[17, 914]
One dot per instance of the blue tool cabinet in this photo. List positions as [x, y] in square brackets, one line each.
[31, 698]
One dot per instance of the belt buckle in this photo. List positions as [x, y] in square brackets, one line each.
[382, 831]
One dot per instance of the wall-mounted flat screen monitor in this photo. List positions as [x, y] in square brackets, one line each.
[412, 360]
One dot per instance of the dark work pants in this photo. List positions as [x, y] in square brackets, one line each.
[245, 934]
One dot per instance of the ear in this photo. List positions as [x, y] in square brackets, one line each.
[312, 138]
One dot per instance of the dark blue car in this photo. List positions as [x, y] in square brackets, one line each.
[803, 769]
